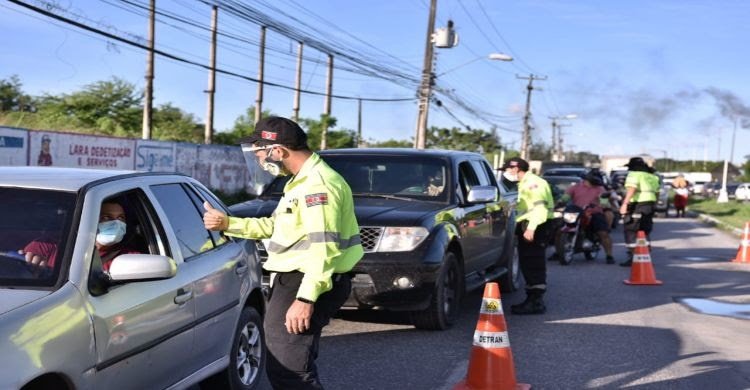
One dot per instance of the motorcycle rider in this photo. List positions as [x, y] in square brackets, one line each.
[587, 193]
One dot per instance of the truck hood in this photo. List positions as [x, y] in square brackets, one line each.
[14, 298]
[385, 212]
[370, 211]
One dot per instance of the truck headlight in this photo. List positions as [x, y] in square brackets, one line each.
[401, 239]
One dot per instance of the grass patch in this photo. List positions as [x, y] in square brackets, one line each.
[734, 213]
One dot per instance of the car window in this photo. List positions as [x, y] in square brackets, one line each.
[34, 222]
[467, 178]
[217, 237]
[185, 219]
[482, 175]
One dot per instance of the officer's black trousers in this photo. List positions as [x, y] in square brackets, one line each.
[291, 357]
[634, 224]
[532, 256]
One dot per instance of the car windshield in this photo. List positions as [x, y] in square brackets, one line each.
[34, 222]
[400, 176]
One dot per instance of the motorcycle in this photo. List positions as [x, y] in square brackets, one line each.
[575, 235]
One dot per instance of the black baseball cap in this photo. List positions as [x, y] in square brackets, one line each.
[636, 162]
[514, 162]
[277, 130]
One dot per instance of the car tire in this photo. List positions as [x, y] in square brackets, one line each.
[511, 281]
[247, 357]
[444, 305]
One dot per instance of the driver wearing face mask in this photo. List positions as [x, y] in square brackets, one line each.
[109, 235]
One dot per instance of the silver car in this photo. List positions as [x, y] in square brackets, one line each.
[182, 306]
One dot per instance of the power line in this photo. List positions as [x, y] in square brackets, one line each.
[180, 59]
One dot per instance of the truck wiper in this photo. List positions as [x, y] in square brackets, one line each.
[384, 196]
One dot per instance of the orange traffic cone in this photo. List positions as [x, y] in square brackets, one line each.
[743, 253]
[491, 362]
[642, 271]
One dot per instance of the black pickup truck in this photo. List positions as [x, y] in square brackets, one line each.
[434, 224]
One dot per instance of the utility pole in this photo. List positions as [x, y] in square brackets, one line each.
[149, 93]
[297, 83]
[425, 89]
[526, 138]
[359, 124]
[261, 64]
[560, 153]
[327, 106]
[209, 132]
[554, 139]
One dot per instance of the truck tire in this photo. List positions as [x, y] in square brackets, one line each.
[511, 281]
[444, 304]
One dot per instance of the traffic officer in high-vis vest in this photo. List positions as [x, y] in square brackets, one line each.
[637, 208]
[534, 228]
[314, 244]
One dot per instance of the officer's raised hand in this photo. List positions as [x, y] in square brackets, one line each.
[214, 219]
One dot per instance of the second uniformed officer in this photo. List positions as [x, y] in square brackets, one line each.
[533, 228]
[638, 205]
[314, 243]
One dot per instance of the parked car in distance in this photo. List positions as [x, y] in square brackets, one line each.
[186, 307]
[742, 192]
[433, 225]
[567, 171]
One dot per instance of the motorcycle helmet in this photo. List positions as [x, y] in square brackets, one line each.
[594, 178]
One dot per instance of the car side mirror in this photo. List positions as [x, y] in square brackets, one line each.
[482, 194]
[139, 267]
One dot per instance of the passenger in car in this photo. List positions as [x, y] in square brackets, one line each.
[436, 183]
[109, 240]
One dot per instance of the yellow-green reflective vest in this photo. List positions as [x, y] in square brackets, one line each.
[313, 229]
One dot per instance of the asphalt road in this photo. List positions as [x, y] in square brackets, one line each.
[597, 333]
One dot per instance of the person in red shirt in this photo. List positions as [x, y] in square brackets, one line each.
[587, 193]
[111, 230]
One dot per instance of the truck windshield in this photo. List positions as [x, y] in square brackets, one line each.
[34, 223]
[402, 176]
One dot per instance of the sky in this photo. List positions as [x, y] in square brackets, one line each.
[667, 78]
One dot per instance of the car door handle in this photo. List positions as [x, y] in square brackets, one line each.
[241, 268]
[183, 296]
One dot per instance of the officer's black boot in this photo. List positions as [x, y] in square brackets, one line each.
[534, 304]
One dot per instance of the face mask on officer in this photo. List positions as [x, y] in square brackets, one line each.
[274, 167]
[510, 176]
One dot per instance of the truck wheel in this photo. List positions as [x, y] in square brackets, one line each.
[247, 356]
[443, 309]
[511, 281]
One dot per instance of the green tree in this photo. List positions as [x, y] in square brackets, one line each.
[472, 140]
[337, 139]
[391, 143]
[110, 107]
[244, 125]
[12, 97]
[171, 123]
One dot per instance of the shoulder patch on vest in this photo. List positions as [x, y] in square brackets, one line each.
[316, 199]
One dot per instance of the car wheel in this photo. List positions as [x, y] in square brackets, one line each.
[247, 357]
[443, 309]
[511, 281]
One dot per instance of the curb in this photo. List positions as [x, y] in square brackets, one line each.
[716, 223]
